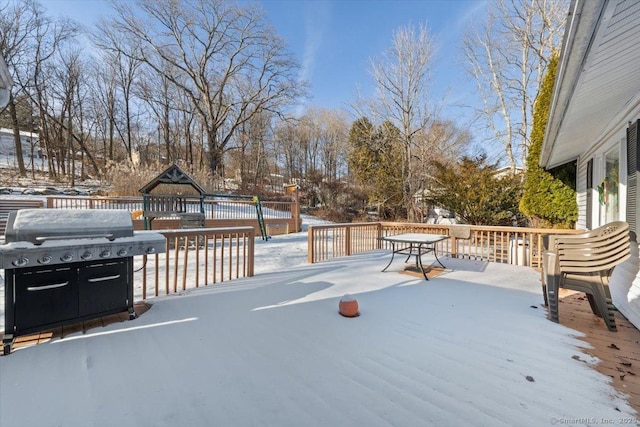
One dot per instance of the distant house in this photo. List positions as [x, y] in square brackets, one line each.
[506, 170]
[595, 121]
[28, 139]
[5, 83]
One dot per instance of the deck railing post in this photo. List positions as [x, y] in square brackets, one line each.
[250, 252]
[310, 245]
[454, 247]
[295, 210]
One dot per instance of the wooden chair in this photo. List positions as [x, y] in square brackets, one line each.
[584, 262]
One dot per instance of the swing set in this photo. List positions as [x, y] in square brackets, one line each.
[190, 210]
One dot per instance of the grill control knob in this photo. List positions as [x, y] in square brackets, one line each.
[45, 259]
[105, 254]
[151, 250]
[66, 258]
[122, 252]
[86, 256]
[20, 262]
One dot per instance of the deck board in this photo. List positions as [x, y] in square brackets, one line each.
[618, 352]
[83, 327]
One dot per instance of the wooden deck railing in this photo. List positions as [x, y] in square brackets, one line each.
[74, 202]
[515, 245]
[213, 208]
[338, 240]
[197, 257]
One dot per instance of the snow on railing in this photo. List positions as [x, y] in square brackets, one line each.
[194, 258]
[213, 208]
[513, 245]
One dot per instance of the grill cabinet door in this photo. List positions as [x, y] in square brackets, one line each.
[44, 296]
[103, 287]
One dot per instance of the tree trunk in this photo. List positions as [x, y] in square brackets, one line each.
[16, 136]
[215, 155]
[112, 130]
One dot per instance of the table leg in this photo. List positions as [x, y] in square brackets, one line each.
[419, 262]
[436, 255]
[393, 253]
[410, 254]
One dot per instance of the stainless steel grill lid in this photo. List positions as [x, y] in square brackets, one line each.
[39, 225]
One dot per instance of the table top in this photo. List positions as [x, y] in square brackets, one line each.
[415, 238]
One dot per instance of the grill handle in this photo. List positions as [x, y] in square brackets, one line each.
[102, 279]
[42, 239]
[45, 287]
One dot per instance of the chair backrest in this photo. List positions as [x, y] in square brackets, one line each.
[598, 250]
[460, 231]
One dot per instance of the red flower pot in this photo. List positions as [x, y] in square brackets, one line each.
[348, 306]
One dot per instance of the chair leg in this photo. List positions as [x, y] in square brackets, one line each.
[550, 284]
[551, 295]
[547, 259]
[594, 306]
[602, 300]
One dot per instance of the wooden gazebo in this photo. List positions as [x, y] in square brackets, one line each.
[175, 204]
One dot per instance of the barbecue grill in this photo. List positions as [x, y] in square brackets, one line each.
[63, 266]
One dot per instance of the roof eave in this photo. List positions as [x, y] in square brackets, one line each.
[583, 21]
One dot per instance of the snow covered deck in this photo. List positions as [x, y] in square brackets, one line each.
[466, 348]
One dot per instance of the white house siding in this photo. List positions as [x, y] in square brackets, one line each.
[5, 83]
[7, 143]
[581, 194]
[625, 287]
[8, 149]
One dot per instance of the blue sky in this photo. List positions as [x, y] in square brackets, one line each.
[335, 40]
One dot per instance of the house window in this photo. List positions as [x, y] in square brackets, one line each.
[608, 188]
[633, 161]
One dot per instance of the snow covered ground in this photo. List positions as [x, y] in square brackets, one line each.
[276, 254]
[464, 349]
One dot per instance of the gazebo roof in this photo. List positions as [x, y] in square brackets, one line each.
[172, 175]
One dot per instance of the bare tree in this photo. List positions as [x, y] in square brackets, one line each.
[309, 140]
[158, 93]
[251, 142]
[105, 105]
[507, 55]
[329, 130]
[402, 78]
[113, 44]
[68, 79]
[36, 41]
[17, 22]
[288, 146]
[224, 57]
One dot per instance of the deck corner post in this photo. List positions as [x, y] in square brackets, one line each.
[310, 245]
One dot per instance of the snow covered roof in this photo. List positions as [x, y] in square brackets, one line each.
[172, 175]
[23, 133]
